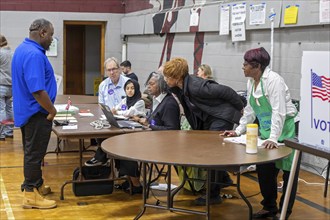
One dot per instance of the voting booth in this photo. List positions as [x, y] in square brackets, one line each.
[314, 127]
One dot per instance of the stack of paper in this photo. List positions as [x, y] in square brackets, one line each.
[242, 140]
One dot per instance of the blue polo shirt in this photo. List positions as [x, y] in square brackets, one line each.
[31, 72]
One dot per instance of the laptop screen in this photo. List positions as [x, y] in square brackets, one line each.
[119, 124]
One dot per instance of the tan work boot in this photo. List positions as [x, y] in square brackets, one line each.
[44, 190]
[35, 200]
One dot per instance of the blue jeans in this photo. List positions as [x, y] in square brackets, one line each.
[6, 110]
[35, 134]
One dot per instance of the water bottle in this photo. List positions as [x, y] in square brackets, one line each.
[251, 138]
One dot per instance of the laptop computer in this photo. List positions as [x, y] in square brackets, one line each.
[119, 124]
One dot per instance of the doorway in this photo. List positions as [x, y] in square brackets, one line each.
[83, 56]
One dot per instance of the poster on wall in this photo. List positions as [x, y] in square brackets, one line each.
[314, 126]
[238, 16]
[52, 51]
[257, 14]
[224, 20]
[324, 11]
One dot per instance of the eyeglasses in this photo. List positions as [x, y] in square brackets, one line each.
[245, 64]
[112, 70]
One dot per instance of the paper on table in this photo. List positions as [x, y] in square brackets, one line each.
[242, 140]
[88, 114]
[60, 118]
[120, 117]
[68, 127]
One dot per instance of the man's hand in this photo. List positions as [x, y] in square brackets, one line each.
[51, 115]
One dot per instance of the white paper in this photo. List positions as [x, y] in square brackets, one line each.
[238, 15]
[52, 51]
[257, 14]
[242, 140]
[87, 114]
[58, 79]
[224, 20]
[70, 127]
[162, 186]
[194, 17]
[64, 118]
[324, 11]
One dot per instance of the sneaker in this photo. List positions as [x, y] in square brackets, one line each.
[123, 186]
[201, 201]
[94, 162]
[135, 190]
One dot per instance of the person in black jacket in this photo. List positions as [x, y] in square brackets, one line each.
[207, 106]
[164, 115]
[165, 111]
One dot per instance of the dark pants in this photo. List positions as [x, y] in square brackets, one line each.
[267, 175]
[35, 137]
[100, 155]
[217, 176]
[125, 167]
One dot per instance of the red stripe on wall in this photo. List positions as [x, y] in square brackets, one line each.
[93, 6]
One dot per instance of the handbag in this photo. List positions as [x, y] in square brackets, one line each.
[92, 188]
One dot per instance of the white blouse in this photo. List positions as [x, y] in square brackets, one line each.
[278, 95]
[138, 109]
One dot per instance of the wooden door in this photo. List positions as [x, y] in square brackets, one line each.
[74, 60]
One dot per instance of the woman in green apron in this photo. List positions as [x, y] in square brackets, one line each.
[269, 101]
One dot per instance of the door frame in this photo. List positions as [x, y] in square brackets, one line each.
[102, 51]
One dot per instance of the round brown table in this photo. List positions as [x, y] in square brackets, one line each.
[205, 149]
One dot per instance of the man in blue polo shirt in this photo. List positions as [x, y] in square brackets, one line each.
[34, 92]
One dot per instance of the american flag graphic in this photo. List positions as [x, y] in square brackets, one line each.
[320, 87]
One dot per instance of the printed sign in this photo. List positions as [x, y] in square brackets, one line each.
[314, 127]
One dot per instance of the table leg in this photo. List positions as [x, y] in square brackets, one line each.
[80, 177]
[169, 181]
[145, 191]
[208, 193]
[243, 196]
[290, 183]
[326, 181]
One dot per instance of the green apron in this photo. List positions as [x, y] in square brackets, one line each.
[263, 111]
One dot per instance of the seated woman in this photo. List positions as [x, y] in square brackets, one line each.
[165, 111]
[164, 115]
[130, 106]
[133, 104]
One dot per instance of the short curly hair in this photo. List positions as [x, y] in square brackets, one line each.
[176, 68]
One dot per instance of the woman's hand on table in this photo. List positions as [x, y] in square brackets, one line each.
[268, 144]
[230, 133]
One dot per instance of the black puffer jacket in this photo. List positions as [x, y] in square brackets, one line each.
[208, 97]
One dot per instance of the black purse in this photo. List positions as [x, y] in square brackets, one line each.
[93, 188]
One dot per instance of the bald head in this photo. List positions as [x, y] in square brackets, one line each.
[39, 24]
[41, 31]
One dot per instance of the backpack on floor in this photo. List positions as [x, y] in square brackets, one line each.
[93, 188]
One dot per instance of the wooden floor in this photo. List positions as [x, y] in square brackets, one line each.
[310, 203]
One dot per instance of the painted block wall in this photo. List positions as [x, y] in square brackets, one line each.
[15, 26]
[226, 58]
